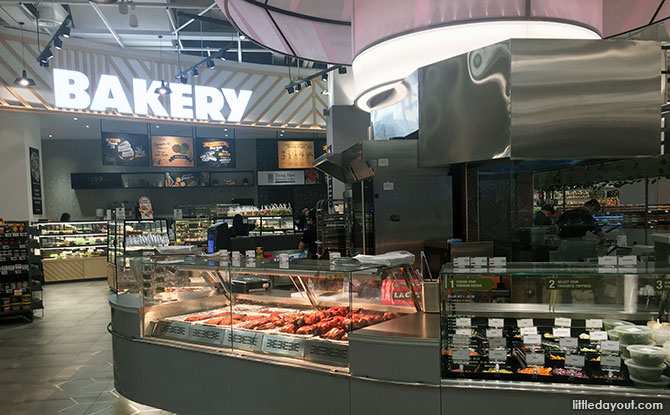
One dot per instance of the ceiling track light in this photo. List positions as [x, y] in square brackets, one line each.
[210, 64]
[55, 41]
[298, 83]
[195, 72]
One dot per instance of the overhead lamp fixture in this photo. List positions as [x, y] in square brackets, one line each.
[243, 36]
[23, 80]
[210, 64]
[196, 73]
[324, 76]
[66, 32]
[308, 83]
[163, 89]
[44, 64]
[48, 53]
[298, 87]
[58, 43]
[342, 70]
[123, 7]
[183, 79]
[290, 89]
[222, 58]
[132, 20]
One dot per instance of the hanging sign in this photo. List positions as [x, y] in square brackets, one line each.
[35, 181]
[72, 90]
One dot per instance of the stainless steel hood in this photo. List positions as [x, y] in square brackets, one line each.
[371, 158]
[535, 99]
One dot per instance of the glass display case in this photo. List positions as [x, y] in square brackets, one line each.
[271, 225]
[134, 236]
[555, 322]
[242, 305]
[60, 240]
[191, 231]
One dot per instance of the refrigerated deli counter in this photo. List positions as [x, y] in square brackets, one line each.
[197, 335]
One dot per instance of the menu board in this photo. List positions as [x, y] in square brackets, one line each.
[215, 153]
[296, 154]
[120, 149]
[171, 151]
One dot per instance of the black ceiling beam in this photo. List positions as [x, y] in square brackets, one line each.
[266, 6]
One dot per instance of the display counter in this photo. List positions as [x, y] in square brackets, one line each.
[341, 339]
[73, 250]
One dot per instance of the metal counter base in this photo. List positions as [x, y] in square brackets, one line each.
[394, 369]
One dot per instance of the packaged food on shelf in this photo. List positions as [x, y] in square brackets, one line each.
[629, 335]
[646, 355]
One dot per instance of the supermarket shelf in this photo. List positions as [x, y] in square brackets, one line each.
[15, 313]
[56, 235]
[14, 235]
[75, 247]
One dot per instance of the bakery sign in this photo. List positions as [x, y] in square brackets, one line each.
[73, 90]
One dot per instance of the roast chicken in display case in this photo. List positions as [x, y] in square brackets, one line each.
[246, 306]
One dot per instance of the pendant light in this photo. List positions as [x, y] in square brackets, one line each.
[23, 80]
[164, 89]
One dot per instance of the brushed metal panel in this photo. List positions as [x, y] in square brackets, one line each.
[414, 210]
[399, 115]
[577, 98]
[542, 99]
[464, 107]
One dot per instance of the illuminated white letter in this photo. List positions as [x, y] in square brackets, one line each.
[146, 98]
[208, 103]
[237, 103]
[110, 84]
[181, 103]
[70, 89]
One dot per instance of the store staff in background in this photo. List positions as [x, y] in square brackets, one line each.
[308, 240]
[302, 220]
[65, 217]
[240, 228]
[544, 217]
[575, 223]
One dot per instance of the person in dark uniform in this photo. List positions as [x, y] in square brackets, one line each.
[544, 217]
[240, 228]
[575, 223]
[308, 240]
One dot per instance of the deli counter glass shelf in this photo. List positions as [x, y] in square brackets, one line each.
[271, 225]
[568, 323]
[191, 231]
[238, 305]
[134, 236]
[60, 240]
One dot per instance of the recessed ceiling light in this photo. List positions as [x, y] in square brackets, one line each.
[75, 118]
[283, 131]
[51, 135]
[225, 129]
[281, 135]
[88, 126]
[158, 126]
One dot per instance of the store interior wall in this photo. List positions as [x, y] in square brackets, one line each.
[18, 132]
[63, 157]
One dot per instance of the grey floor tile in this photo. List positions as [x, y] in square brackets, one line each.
[61, 407]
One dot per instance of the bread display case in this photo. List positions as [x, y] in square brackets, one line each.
[558, 328]
[191, 231]
[128, 238]
[72, 250]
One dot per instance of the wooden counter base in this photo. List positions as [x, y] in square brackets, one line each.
[74, 269]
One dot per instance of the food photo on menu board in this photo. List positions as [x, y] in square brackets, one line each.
[125, 149]
[295, 154]
[171, 151]
[215, 152]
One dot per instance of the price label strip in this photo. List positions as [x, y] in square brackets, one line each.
[497, 356]
[245, 339]
[283, 345]
[209, 335]
[460, 356]
[327, 352]
[574, 360]
[174, 330]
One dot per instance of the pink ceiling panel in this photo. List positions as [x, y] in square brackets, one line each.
[255, 23]
[323, 42]
[325, 9]
[377, 20]
[586, 12]
[620, 16]
[664, 13]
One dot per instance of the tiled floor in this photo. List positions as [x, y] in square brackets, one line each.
[61, 364]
